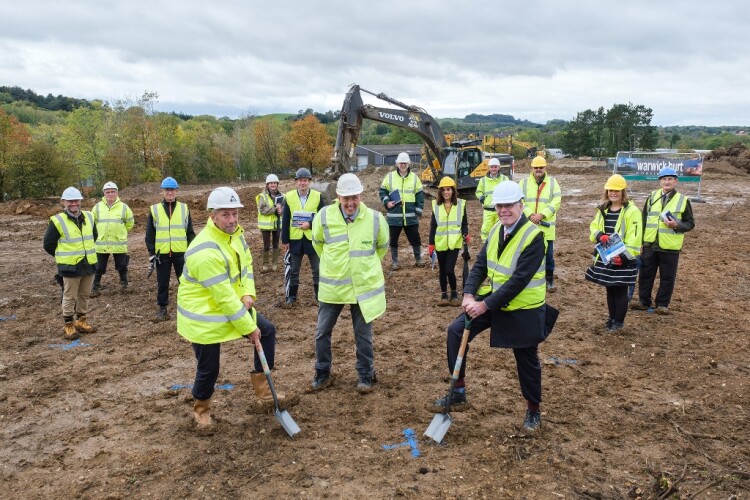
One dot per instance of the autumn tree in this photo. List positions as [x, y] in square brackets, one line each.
[14, 139]
[309, 144]
[268, 139]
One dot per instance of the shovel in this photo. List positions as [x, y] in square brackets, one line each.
[283, 416]
[441, 422]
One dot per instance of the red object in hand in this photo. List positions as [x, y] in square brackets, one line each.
[617, 260]
[604, 239]
[467, 238]
[430, 250]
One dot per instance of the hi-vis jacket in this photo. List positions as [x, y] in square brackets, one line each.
[268, 221]
[218, 273]
[628, 226]
[75, 243]
[501, 268]
[295, 205]
[407, 212]
[112, 226]
[542, 199]
[655, 230]
[485, 187]
[448, 232]
[171, 233]
[350, 255]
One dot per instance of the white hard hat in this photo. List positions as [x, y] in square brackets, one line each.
[403, 158]
[71, 194]
[271, 178]
[507, 192]
[223, 197]
[109, 185]
[494, 161]
[349, 185]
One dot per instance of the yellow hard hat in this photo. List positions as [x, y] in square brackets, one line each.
[446, 182]
[538, 161]
[616, 183]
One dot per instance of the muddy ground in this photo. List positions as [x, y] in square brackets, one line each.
[659, 409]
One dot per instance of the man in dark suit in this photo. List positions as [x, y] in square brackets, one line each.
[512, 302]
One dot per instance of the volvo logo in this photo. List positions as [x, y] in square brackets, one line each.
[390, 116]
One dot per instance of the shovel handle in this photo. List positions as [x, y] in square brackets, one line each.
[462, 348]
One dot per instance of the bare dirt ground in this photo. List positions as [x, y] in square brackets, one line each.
[657, 410]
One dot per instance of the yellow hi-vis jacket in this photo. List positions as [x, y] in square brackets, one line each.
[218, 273]
[448, 232]
[628, 226]
[486, 186]
[500, 269]
[350, 255]
[668, 238]
[407, 212]
[295, 205]
[171, 234]
[74, 244]
[267, 222]
[544, 199]
[112, 226]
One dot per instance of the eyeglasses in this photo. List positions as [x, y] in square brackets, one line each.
[538, 168]
[501, 206]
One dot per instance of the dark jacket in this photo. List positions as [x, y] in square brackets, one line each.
[52, 236]
[393, 215]
[301, 246]
[151, 229]
[523, 327]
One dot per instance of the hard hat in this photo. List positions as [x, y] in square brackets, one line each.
[349, 185]
[507, 192]
[109, 185]
[446, 182]
[223, 197]
[667, 172]
[616, 183]
[494, 161]
[538, 161]
[169, 183]
[271, 178]
[403, 158]
[71, 194]
[303, 173]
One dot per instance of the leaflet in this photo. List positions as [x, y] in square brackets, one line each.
[615, 246]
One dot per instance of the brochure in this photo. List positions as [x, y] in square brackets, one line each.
[300, 216]
[615, 246]
[667, 216]
[395, 196]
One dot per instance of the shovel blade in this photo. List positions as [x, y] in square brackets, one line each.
[287, 422]
[439, 426]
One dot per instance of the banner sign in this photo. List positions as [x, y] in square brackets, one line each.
[648, 164]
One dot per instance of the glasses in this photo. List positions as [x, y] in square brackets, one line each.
[502, 206]
[538, 168]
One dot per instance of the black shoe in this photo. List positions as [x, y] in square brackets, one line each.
[95, 291]
[322, 380]
[457, 401]
[639, 306]
[533, 421]
[365, 384]
[608, 324]
[614, 326]
[551, 285]
[162, 314]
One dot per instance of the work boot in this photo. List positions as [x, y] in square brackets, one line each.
[84, 326]
[124, 281]
[202, 412]
[315, 298]
[662, 310]
[275, 259]
[639, 306]
[263, 395]
[291, 299]
[551, 284]
[608, 324]
[444, 299]
[418, 261]
[533, 421]
[455, 301]
[69, 330]
[321, 380]
[96, 287]
[365, 383]
[615, 325]
[162, 315]
[394, 259]
[266, 259]
[458, 402]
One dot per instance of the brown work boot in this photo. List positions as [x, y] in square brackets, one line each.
[275, 259]
[443, 300]
[263, 395]
[84, 326]
[266, 258]
[202, 412]
[69, 331]
[455, 301]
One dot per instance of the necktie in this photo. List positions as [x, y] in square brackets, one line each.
[507, 235]
[349, 220]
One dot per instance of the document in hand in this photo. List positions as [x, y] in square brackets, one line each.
[615, 246]
[395, 196]
[667, 216]
[300, 216]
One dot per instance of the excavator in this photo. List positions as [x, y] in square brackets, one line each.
[458, 159]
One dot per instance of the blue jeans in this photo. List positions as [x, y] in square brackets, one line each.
[328, 314]
[550, 259]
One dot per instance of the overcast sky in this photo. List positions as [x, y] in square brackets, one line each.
[537, 60]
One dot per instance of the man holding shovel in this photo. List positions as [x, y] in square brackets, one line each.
[215, 300]
[512, 304]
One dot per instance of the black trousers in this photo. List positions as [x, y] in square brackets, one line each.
[163, 272]
[527, 359]
[268, 237]
[121, 263]
[447, 265]
[412, 235]
[617, 302]
[666, 264]
[207, 357]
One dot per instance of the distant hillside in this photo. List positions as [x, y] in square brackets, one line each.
[49, 102]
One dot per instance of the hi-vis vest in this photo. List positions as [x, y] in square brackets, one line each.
[112, 226]
[350, 254]
[404, 213]
[266, 222]
[171, 234]
[486, 186]
[448, 232]
[668, 238]
[628, 226]
[544, 199]
[295, 205]
[218, 272]
[74, 244]
[499, 270]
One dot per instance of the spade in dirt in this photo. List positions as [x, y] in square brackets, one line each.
[441, 422]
